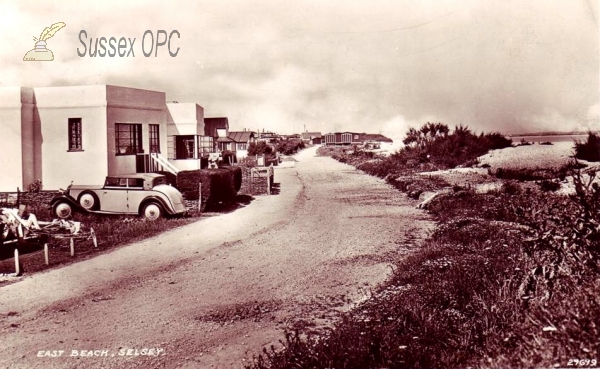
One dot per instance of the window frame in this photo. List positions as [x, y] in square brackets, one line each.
[154, 138]
[184, 140]
[78, 137]
[135, 139]
[204, 150]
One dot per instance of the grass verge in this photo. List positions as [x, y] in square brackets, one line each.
[508, 279]
[112, 231]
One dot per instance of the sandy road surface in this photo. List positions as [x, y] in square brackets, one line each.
[214, 292]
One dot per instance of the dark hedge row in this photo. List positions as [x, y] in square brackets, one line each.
[218, 185]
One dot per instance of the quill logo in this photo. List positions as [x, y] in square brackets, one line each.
[40, 52]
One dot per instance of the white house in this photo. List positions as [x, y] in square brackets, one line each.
[83, 133]
[186, 141]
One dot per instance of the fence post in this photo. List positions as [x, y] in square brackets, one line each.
[72, 244]
[46, 254]
[94, 239]
[17, 264]
[200, 197]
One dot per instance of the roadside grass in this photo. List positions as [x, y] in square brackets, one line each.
[111, 232]
[508, 279]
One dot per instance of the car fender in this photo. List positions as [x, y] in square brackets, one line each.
[155, 198]
[71, 201]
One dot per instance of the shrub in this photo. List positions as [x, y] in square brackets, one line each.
[218, 185]
[259, 148]
[549, 185]
[228, 157]
[289, 147]
[35, 186]
[435, 144]
[237, 177]
[589, 149]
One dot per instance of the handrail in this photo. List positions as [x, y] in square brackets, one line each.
[156, 157]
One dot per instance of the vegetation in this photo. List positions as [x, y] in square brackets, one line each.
[509, 278]
[432, 147]
[289, 147]
[111, 231]
[217, 185]
[259, 148]
[589, 149]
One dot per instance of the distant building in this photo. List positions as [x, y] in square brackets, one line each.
[268, 137]
[312, 138]
[340, 138]
[216, 127]
[351, 138]
[240, 140]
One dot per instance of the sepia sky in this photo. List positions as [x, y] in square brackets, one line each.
[367, 66]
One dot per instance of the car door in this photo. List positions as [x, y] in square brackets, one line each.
[135, 194]
[114, 196]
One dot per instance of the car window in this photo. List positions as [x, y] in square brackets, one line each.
[159, 181]
[136, 182]
[112, 182]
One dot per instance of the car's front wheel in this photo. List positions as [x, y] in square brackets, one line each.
[63, 210]
[88, 201]
[152, 211]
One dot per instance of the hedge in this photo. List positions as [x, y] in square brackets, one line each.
[218, 185]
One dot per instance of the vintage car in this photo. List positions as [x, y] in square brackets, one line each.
[146, 194]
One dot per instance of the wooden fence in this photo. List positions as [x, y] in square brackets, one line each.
[257, 181]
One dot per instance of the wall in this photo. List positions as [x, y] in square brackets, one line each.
[183, 119]
[186, 164]
[31, 138]
[130, 105]
[11, 175]
[55, 106]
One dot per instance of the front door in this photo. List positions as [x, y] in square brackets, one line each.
[142, 163]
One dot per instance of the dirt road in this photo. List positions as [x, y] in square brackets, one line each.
[212, 293]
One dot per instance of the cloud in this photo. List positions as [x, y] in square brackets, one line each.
[353, 65]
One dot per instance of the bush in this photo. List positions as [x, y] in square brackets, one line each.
[259, 148]
[589, 149]
[228, 157]
[289, 147]
[237, 177]
[218, 185]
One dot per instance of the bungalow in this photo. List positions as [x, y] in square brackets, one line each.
[341, 138]
[84, 133]
[187, 140]
[216, 128]
[240, 140]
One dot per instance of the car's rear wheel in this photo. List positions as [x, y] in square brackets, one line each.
[63, 210]
[152, 211]
[88, 201]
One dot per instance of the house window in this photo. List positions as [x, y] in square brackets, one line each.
[154, 135]
[128, 139]
[346, 137]
[242, 146]
[184, 147]
[75, 134]
[205, 145]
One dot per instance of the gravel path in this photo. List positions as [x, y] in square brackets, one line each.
[213, 293]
